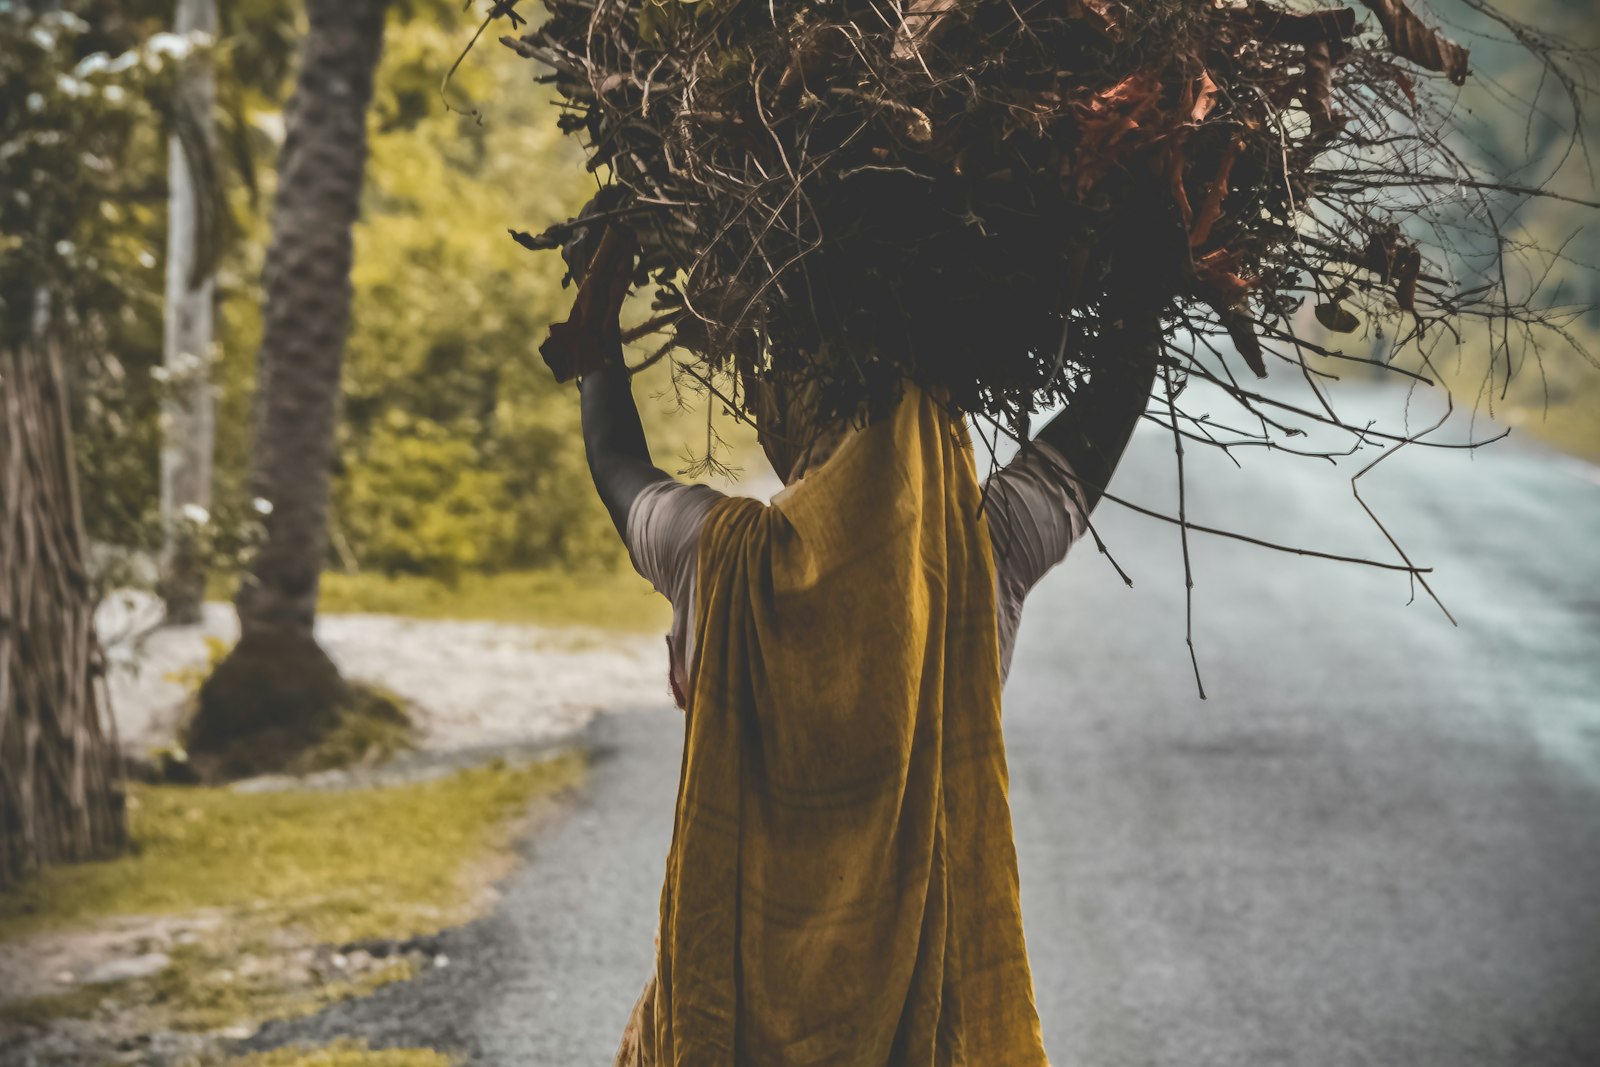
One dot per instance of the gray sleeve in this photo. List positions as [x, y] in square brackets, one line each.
[664, 524]
[1035, 514]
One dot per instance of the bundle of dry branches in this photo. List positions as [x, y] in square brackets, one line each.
[970, 193]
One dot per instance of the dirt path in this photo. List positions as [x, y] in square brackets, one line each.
[472, 684]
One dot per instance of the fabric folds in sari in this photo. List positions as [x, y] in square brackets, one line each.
[842, 883]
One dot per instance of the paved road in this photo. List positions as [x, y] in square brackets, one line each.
[1377, 843]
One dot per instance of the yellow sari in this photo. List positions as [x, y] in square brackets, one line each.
[842, 883]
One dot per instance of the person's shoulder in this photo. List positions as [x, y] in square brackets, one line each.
[669, 503]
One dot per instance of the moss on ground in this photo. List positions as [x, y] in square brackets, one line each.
[344, 1054]
[374, 727]
[341, 865]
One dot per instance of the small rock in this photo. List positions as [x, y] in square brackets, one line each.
[340, 960]
[65, 977]
[123, 970]
[441, 961]
[237, 1033]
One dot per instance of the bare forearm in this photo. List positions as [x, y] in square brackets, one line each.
[1093, 431]
[613, 438]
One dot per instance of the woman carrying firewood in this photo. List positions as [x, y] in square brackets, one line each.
[874, 221]
[842, 883]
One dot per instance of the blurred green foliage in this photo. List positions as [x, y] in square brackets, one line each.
[456, 451]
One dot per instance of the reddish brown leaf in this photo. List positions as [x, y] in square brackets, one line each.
[1205, 97]
[1218, 280]
[1216, 192]
[575, 347]
[1106, 118]
[1411, 39]
[1407, 85]
[1219, 283]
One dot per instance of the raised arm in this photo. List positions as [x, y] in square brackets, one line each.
[588, 346]
[1093, 431]
[613, 438]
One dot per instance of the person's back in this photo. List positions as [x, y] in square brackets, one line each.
[842, 882]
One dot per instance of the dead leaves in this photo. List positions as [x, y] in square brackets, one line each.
[1106, 118]
[1411, 39]
[1221, 285]
[1396, 260]
[582, 343]
[1336, 317]
[922, 20]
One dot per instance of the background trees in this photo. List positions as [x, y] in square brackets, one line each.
[277, 689]
[193, 235]
[64, 247]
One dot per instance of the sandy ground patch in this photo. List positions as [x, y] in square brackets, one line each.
[471, 683]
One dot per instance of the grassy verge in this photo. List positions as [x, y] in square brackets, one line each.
[287, 877]
[619, 601]
[344, 1054]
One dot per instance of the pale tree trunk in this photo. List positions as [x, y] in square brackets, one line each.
[188, 414]
[277, 691]
[60, 776]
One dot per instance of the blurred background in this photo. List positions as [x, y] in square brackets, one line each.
[1377, 842]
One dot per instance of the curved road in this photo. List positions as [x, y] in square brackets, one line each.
[1377, 843]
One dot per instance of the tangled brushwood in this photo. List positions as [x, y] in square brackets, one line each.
[976, 194]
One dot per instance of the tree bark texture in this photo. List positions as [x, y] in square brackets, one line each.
[60, 775]
[307, 313]
[188, 414]
[277, 692]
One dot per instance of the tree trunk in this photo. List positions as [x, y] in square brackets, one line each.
[277, 691]
[60, 776]
[188, 411]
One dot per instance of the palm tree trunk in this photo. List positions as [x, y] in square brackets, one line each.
[277, 691]
[191, 287]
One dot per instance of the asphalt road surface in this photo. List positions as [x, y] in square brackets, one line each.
[1376, 843]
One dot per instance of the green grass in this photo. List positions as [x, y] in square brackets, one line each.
[339, 865]
[289, 870]
[344, 1053]
[619, 600]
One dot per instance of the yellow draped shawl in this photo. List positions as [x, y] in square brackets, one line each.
[842, 883]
